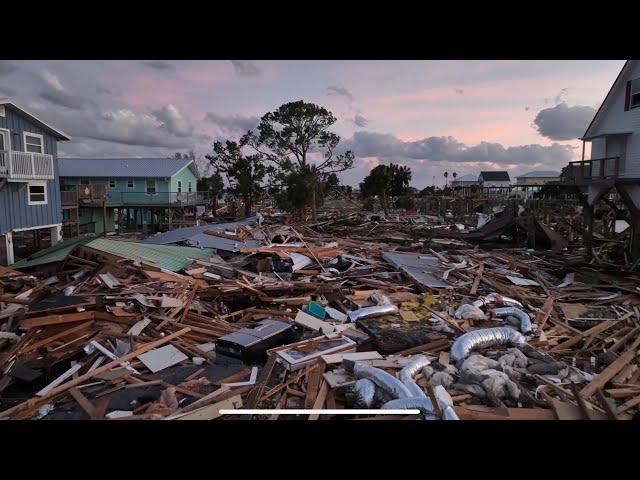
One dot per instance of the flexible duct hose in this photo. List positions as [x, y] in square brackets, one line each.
[525, 321]
[485, 337]
[497, 298]
[382, 379]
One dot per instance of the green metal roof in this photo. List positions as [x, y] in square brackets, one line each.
[57, 253]
[169, 257]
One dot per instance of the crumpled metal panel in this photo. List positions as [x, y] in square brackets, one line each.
[485, 337]
[525, 320]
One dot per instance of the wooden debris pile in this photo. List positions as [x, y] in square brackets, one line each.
[328, 317]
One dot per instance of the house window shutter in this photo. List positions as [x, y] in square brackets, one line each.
[627, 96]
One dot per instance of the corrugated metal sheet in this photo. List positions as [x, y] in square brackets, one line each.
[417, 267]
[57, 253]
[169, 257]
[121, 167]
[195, 236]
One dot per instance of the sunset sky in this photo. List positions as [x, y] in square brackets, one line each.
[433, 116]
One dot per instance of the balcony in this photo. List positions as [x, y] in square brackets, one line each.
[585, 172]
[24, 166]
[94, 195]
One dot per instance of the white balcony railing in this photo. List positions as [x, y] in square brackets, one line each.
[26, 166]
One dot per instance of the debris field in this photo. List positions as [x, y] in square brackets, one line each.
[351, 312]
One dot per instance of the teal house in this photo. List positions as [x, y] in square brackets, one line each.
[129, 194]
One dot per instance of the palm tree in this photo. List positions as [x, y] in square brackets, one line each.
[446, 174]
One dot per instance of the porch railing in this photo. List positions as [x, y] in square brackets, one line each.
[26, 165]
[596, 169]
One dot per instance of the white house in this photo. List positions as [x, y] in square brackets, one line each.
[494, 179]
[465, 181]
[540, 177]
[614, 132]
[614, 135]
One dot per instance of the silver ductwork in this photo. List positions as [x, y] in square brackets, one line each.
[385, 307]
[497, 298]
[365, 390]
[485, 337]
[382, 379]
[406, 375]
[525, 320]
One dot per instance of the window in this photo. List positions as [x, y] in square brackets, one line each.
[179, 186]
[112, 183]
[2, 111]
[130, 183]
[85, 182]
[33, 143]
[635, 93]
[189, 187]
[151, 187]
[37, 193]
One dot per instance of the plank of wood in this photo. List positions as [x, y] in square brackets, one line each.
[211, 412]
[56, 319]
[543, 316]
[100, 409]
[83, 378]
[587, 333]
[83, 401]
[261, 383]
[476, 281]
[319, 403]
[608, 373]
[628, 404]
[48, 340]
[313, 384]
[355, 356]
[618, 345]
[431, 346]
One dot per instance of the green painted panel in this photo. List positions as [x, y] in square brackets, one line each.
[168, 257]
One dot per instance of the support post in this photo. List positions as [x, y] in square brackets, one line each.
[588, 230]
[56, 234]
[8, 247]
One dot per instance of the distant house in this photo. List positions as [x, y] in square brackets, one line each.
[494, 179]
[30, 213]
[541, 177]
[136, 191]
[465, 181]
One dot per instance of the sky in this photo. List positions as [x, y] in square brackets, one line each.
[459, 116]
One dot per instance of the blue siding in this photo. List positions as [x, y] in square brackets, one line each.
[15, 212]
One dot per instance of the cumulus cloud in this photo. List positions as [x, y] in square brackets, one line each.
[53, 91]
[563, 122]
[174, 120]
[7, 67]
[233, 123]
[245, 68]
[159, 65]
[447, 149]
[431, 156]
[360, 121]
[8, 91]
[340, 91]
[100, 90]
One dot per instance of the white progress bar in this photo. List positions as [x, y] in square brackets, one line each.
[303, 411]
